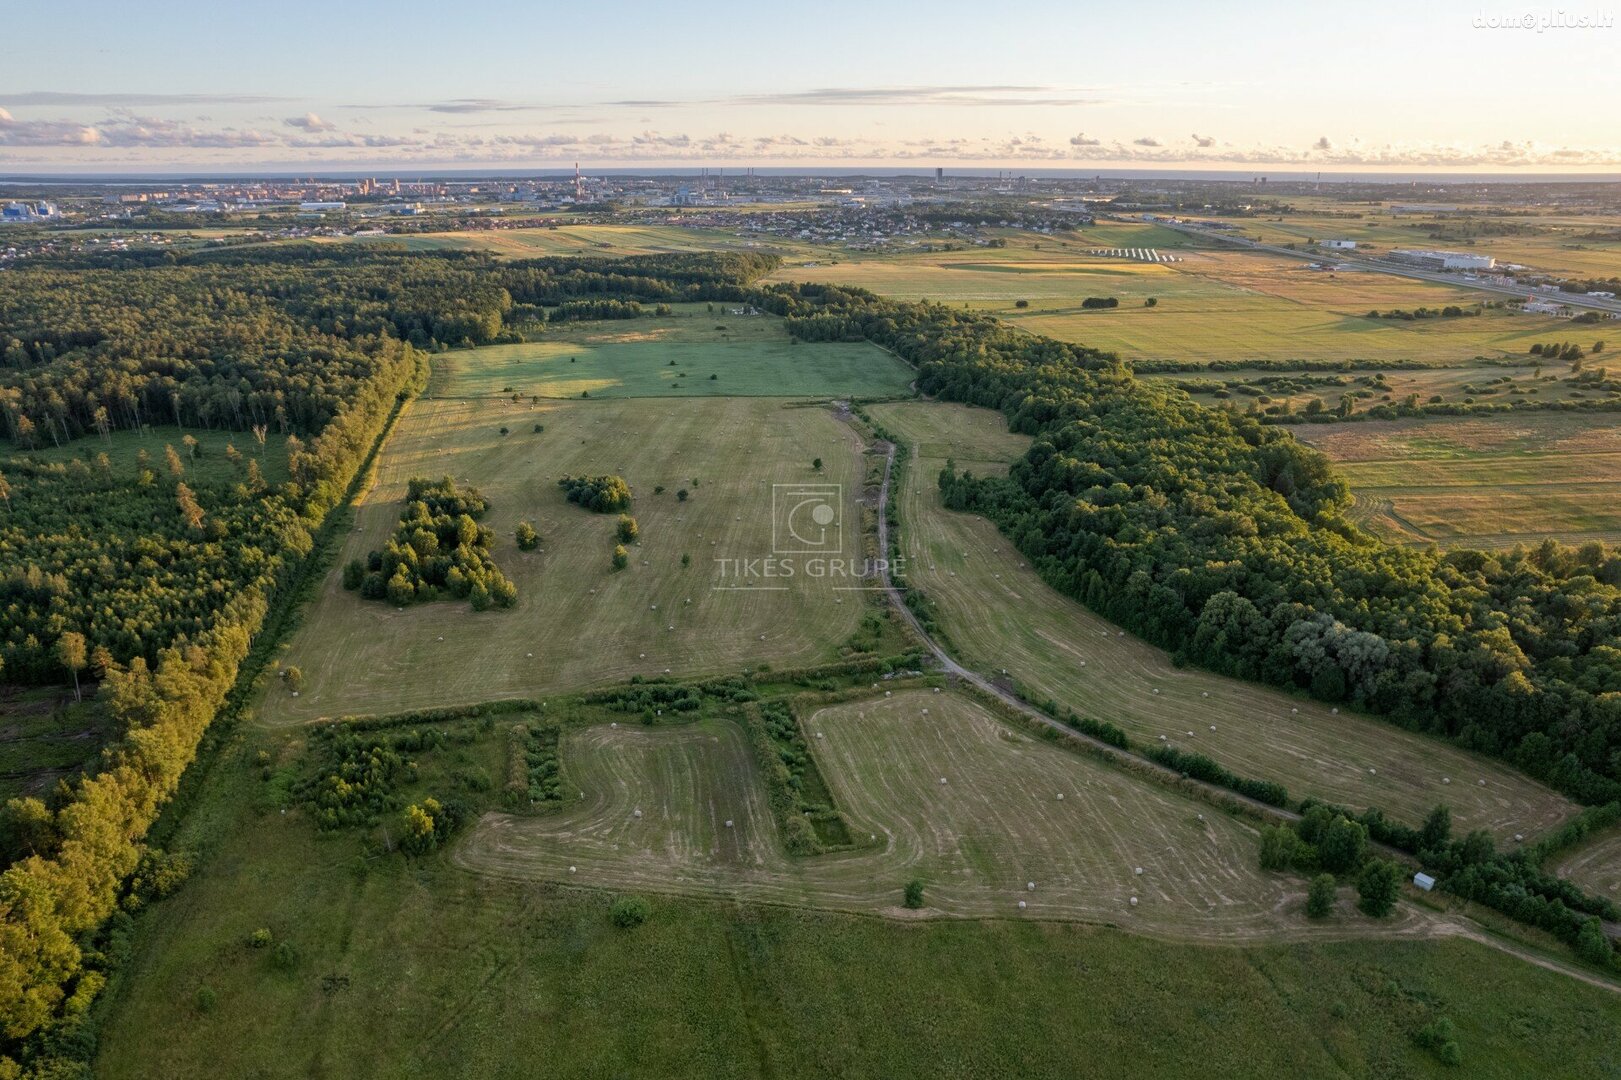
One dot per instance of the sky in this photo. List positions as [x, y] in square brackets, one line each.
[1251, 85]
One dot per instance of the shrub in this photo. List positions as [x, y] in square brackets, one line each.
[912, 896]
[629, 912]
[259, 939]
[1320, 898]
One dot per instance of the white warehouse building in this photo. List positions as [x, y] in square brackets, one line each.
[1340, 245]
[1443, 260]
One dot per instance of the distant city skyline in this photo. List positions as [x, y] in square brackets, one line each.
[1250, 87]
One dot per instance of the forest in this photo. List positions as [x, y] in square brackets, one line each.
[155, 579]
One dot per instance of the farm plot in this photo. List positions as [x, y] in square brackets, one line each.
[1595, 865]
[999, 615]
[657, 803]
[1481, 481]
[548, 238]
[578, 623]
[691, 353]
[1210, 305]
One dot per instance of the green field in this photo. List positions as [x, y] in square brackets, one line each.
[401, 969]
[655, 802]
[999, 615]
[577, 623]
[748, 355]
[1214, 304]
[1490, 481]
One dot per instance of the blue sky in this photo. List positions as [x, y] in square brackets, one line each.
[1248, 86]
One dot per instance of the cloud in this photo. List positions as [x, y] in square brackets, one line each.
[1322, 144]
[1204, 141]
[1145, 141]
[915, 95]
[14, 132]
[52, 97]
[478, 105]
[310, 122]
[1082, 140]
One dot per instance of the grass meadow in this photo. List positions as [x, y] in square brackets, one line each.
[577, 622]
[1490, 481]
[674, 356]
[1212, 305]
[999, 615]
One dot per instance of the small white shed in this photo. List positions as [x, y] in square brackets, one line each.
[1424, 881]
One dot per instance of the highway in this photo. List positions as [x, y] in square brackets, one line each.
[1385, 266]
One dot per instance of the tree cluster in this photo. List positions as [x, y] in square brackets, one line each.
[602, 494]
[438, 549]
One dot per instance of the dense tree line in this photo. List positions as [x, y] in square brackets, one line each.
[437, 549]
[1226, 542]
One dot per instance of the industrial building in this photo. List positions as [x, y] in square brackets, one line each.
[1443, 260]
[1339, 245]
[28, 211]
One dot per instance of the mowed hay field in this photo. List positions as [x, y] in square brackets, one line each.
[401, 969]
[1490, 481]
[671, 356]
[576, 622]
[1214, 304]
[1595, 865]
[977, 840]
[998, 614]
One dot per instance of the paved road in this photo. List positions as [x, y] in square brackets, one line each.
[1385, 266]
